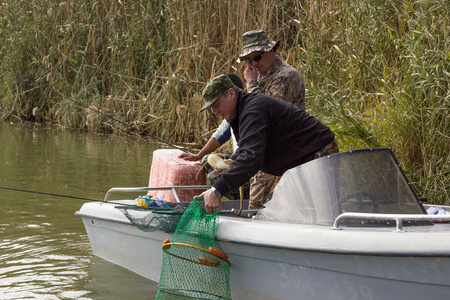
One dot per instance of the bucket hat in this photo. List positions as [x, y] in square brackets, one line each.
[256, 40]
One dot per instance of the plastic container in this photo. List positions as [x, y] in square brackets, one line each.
[169, 170]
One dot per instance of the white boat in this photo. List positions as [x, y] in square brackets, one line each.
[346, 226]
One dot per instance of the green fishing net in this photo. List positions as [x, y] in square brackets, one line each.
[194, 266]
[151, 218]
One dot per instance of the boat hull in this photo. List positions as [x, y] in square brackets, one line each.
[127, 246]
[307, 275]
[290, 261]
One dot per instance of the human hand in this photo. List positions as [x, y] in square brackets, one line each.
[188, 156]
[213, 202]
[250, 73]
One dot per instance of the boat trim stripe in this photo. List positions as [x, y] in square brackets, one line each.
[337, 251]
[126, 222]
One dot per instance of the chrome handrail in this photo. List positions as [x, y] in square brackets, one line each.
[172, 188]
[398, 218]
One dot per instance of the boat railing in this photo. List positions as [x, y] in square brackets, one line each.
[227, 206]
[172, 188]
[398, 218]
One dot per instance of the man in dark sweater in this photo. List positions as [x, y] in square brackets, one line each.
[273, 136]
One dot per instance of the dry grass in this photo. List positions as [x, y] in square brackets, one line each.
[377, 72]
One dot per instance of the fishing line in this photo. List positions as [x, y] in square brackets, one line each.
[99, 112]
[231, 212]
[57, 195]
[95, 190]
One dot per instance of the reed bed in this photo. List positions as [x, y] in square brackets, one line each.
[376, 71]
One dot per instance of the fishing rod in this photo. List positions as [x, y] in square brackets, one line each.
[103, 114]
[57, 195]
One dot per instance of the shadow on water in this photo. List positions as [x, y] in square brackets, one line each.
[44, 250]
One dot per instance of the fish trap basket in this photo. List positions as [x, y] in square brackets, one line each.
[151, 218]
[194, 266]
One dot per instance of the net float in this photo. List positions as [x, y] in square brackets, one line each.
[208, 261]
[218, 252]
[166, 241]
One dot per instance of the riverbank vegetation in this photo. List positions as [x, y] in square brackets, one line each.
[376, 71]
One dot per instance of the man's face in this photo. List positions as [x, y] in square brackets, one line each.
[225, 105]
[261, 61]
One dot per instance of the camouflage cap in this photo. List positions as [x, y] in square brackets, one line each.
[215, 88]
[256, 40]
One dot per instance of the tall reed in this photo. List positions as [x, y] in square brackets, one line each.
[376, 71]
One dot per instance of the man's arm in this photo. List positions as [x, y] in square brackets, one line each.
[211, 146]
[219, 137]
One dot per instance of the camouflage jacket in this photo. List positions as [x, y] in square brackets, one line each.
[281, 81]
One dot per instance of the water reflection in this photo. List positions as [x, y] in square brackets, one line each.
[128, 285]
[44, 250]
[34, 266]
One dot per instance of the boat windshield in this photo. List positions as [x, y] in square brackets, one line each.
[367, 180]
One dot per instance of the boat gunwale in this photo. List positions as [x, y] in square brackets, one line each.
[296, 248]
[336, 251]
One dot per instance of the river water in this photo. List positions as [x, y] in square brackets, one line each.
[44, 249]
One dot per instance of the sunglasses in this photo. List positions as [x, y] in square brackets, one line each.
[256, 58]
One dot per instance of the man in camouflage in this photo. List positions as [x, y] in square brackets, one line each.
[267, 73]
